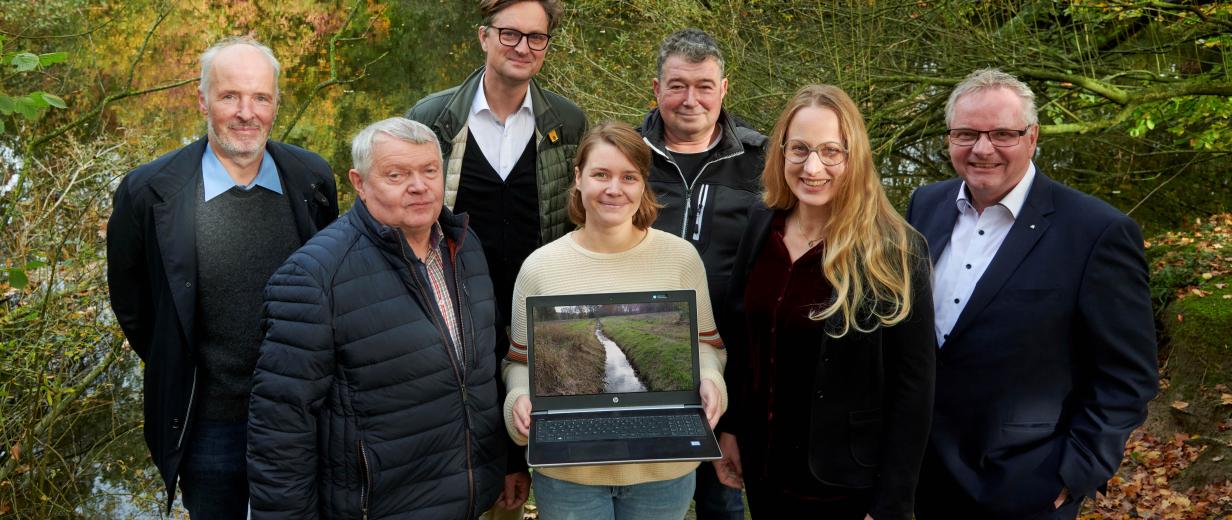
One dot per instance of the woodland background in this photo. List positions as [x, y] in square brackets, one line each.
[1134, 99]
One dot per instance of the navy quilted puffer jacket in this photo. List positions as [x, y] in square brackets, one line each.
[360, 408]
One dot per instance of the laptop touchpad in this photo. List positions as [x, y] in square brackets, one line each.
[599, 450]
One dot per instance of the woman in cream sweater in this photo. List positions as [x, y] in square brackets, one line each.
[614, 249]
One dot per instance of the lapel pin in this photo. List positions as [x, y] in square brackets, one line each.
[1032, 226]
[552, 135]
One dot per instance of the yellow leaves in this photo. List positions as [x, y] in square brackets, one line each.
[1180, 405]
[1225, 399]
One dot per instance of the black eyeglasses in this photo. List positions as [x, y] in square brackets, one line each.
[512, 37]
[1000, 137]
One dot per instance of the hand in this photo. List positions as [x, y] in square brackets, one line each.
[728, 468]
[517, 490]
[521, 415]
[1056, 504]
[712, 402]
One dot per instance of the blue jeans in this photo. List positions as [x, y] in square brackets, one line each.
[214, 473]
[659, 500]
[714, 500]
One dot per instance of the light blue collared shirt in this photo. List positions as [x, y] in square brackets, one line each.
[217, 180]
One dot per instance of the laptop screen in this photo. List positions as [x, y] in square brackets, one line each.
[611, 348]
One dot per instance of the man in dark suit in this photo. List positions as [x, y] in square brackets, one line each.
[193, 238]
[1043, 320]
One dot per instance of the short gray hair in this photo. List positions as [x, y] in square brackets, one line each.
[694, 45]
[207, 59]
[990, 79]
[399, 128]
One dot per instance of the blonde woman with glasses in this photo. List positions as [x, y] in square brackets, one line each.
[829, 327]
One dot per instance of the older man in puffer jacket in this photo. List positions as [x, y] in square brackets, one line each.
[374, 395]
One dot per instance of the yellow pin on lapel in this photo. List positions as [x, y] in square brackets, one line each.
[552, 136]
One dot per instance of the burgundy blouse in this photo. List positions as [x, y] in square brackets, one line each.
[783, 347]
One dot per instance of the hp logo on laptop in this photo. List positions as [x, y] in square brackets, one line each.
[615, 399]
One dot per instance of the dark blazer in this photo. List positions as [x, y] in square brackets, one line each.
[874, 391]
[152, 273]
[1051, 363]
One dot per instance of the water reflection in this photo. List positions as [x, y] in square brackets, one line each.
[619, 376]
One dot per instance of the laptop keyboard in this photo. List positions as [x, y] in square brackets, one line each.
[604, 428]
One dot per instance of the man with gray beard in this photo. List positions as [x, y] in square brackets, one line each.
[192, 241]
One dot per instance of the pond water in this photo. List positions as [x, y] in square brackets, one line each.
[619, 376]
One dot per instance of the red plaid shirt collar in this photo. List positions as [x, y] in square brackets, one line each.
[435, 264]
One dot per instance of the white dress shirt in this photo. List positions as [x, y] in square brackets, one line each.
[502, 144]
[973, 244]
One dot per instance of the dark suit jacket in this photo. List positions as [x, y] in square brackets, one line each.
[1051, 363]
[872, 392]
[152, 274]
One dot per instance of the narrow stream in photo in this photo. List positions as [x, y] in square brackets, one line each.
[619, 376]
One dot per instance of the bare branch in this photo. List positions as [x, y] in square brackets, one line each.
[332, 58]
[98, 109]
[1111, 92]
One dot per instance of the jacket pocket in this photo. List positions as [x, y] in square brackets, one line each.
[1018, 433]
[865, 437]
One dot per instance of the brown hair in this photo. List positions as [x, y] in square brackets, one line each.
[489, 8]
[868, 254]
[625, 139]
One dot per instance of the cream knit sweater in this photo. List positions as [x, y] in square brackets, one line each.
[661, 261]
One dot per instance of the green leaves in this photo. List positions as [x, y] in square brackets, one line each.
[52, 58]
[30, 106]
[18, 278]
[24, 62]
[28, 61]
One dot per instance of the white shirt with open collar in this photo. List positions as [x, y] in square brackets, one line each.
[502, 144]
[973, 244]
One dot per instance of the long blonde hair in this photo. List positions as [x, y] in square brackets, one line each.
[868, 255]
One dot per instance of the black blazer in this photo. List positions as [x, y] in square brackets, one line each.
[1051, 363]
[873, 391]
[152, 273]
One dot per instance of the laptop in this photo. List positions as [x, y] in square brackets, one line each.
[614, 379]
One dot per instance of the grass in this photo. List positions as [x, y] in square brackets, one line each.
[568, 347]
[657, 346]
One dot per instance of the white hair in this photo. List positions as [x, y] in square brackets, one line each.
[207, 59]
[989, 79]
[399, 128]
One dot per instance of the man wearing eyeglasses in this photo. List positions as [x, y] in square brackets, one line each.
[1043, 321]
[509, 147]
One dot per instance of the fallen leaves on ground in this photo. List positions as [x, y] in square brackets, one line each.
[1200, 250]
[1140, 489]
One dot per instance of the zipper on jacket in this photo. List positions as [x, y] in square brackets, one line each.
[441, 328]
[688, 186]
[470, 472]
[365, 482]
[192, 394]
[464, 297]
